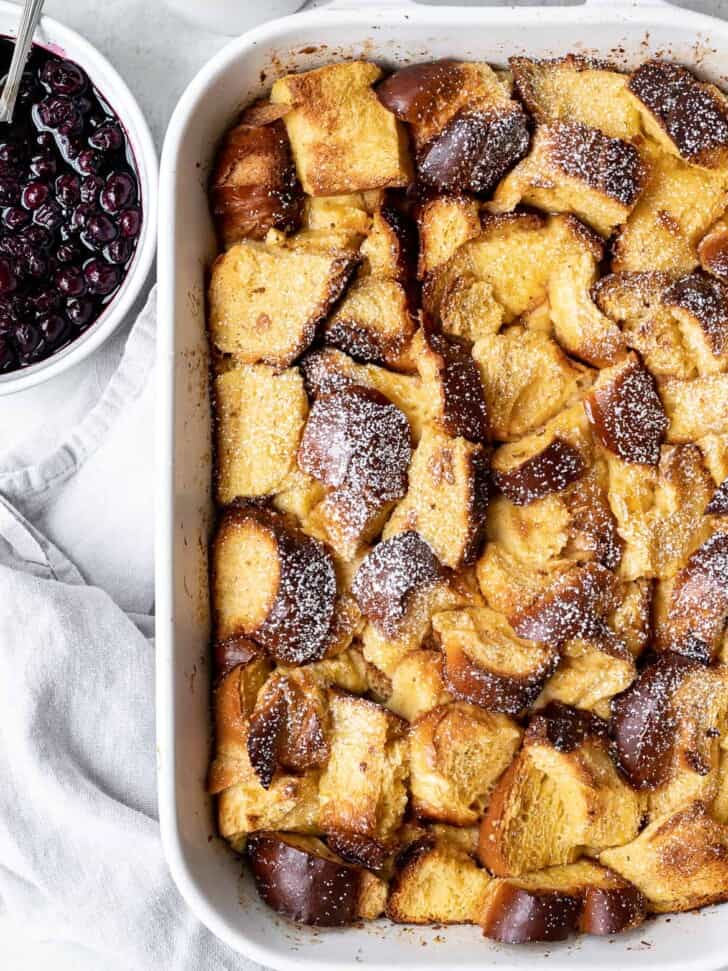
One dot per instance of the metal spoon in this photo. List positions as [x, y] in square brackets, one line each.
[28, 22]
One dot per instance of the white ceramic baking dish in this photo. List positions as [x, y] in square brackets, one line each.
[205, 872]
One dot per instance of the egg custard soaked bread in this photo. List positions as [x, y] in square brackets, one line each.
[470, 573]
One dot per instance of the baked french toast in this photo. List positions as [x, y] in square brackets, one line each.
[469, 333]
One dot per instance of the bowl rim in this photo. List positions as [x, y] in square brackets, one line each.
[55, 36]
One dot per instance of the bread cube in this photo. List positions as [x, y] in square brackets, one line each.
[696, 408]
[444, 223]
[260, 415]
[342, 138]
[417, 684]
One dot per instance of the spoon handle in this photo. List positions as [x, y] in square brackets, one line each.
[28, 22]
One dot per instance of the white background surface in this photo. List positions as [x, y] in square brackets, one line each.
[157, 53]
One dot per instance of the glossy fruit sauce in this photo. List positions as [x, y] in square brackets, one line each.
[70, 212]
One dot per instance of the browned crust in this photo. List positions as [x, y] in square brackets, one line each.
[522, 71]
[643, 723]
[705, 298]
[507, 693]
[613, 910]
[626, 413]
[573, 606]
[610, 166]
[298, 624]
[551, 470]
[565, 728]
[692, 115]
[254, 186]
[475, 149]
[516, 915]
[718, 505]
[713, 251]
[463, 413]
[358, 849]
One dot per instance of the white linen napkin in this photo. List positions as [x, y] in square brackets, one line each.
[80, 853]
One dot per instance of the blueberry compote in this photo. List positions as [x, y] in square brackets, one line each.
[70, 211]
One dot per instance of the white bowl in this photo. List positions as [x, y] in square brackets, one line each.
[67, 43]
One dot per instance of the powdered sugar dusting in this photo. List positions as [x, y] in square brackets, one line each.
[610, 165]
[706, 299]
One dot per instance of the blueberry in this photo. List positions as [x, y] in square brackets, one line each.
[62, 77]
[9, 192]
[79, 312]
[49, 215]
[53, 327]
[58, 114]
[45, 140]
[8, 280]
[81, 214]
[37, 236]
[107, 138]
[119, 191]
[90, 187]
[71, 282]
[98, 231]
[119, 251]
[68, 189]
[8, 360]
[43, 166]
[45, 301]
[27, 340]
[12, 153]
[34, 195]
[89, 162]
[130, 223]
[67, 253]
[15, 218]
[101, 277]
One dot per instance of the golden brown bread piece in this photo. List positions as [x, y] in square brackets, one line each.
[436, 881]
[446, 499]
[713, 249]
[590, 673]
[266, 300]
[660, 512]
[364, 785]
[550, 904]
[699, 303]
[372, 323]
[457, 753]
[696, 408]
[273, 583]
[576, 169]
[417, 684]
[675, 210]
[341, 137]
[254, 186]
[260, 415]
[561, 794]
[684, 117]
[487, 664]
[576, 89]
[444, 224]
[679, 862]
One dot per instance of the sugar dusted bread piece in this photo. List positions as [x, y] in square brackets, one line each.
[540, 464]
[436, 881]
[260, 415]
[696, 408]
[699, 303]
[562, 793]
[299, 877]
[527, 380]
[446, 498]
[389, 251]
[329, 370]
[713, 250]
[467, 130]
[274, 584]
[266, 301]
[576, 169]
[364, 785]
[457, 753]
[373, 322]
[679, 862]
[675, 210]
[417, 684]
[487, 664]
[626, 413]
[648, 325]
[551, 904]
[341, 137]
[254, 186]
[590, 673]
[692, 606]
[659, 511]
[444, 223]
[358, 444]
[576, 89]
[684, 116]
